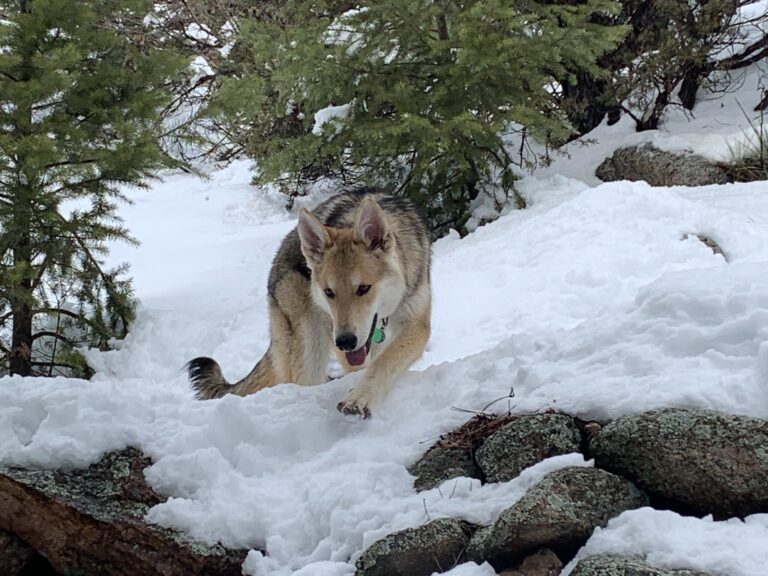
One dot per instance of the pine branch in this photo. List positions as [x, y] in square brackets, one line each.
[52, 334]
[86, 251]
[68, 313]
[763, 104]
[41, 271]
[70, 163]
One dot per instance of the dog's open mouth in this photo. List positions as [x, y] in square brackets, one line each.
[357, 357]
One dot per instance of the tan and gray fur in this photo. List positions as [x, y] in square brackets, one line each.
[318, 301]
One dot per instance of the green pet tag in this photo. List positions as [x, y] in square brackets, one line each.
[378, 335]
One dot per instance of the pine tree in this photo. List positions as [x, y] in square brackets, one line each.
[434, 91]
[79, 119]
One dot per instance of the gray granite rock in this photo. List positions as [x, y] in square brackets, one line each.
[609, 565]
[434, 547]
[695, 460]
[559, 512]
[440, 464]
[541, 563]
[659, 168]
[523, 442]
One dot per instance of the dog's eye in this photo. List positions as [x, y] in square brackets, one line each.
[329, 293]
[363, 289]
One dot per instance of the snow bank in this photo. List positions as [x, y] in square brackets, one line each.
[667, 540]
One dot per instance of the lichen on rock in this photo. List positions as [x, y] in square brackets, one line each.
[611, 565]
[437, 546]
[695, 460]
[525, 441]
[560, 513]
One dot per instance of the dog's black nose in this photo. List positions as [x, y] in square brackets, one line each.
[346, 342]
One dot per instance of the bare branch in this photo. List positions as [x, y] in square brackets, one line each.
[52, 334]
[746, 57]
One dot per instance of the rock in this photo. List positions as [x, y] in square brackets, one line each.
[560, 513]
[659, 168]
[437, 546]
[440, 464]
[523, 442]
[14, 554]
[609, 565]
[90, 522]
[693, 460]
[453, 455]
[542, 563]
[709, 243]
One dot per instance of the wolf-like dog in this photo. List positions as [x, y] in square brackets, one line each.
[352, 277]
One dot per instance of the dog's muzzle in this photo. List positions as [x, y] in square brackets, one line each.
[356, 357]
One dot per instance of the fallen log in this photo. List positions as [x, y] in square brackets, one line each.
[91, 522]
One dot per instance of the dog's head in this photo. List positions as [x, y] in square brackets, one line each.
[356, 277]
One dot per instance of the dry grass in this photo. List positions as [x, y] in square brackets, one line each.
[472, 433]
[750, 160]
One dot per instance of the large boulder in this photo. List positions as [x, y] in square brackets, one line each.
[692, 460]
[91, 522]
[659, 168]
[434, 547]
[610, 565]
[560, 513]
[525, 441]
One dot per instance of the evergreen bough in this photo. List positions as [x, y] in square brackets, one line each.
[80, 101]
[436, 91]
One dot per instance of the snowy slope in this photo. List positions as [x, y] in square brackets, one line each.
[591, 301]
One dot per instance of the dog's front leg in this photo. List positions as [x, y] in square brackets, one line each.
[387, 366]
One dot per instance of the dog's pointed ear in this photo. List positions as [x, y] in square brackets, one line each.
[314, 237]
[371, 227]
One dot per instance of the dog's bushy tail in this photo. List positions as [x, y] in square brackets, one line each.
[208, 382]
[206, 378]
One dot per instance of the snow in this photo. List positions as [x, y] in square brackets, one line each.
[472, 569]
[666, 540]
[201, 33]
[598, 300]
[328, 115]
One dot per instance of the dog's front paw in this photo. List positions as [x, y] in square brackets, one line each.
[357, 403]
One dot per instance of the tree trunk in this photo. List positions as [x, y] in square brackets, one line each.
[652, 119]
[442, 27]
[585, 107]
[91, 522]
[690, 86]
[20, 360]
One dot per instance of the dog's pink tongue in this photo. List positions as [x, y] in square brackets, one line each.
[357, 357]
